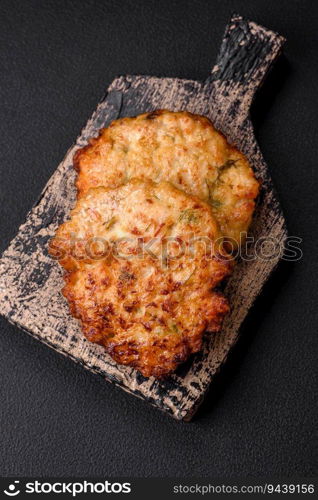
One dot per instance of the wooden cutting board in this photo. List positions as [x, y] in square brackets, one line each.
[30, 281]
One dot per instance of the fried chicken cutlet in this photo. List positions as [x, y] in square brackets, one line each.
[142, 263]
[179, 147]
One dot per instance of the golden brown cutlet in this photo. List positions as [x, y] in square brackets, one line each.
[142, 264]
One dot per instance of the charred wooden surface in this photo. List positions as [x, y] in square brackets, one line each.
[30, 281]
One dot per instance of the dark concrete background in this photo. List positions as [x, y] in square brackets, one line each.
[56, 60]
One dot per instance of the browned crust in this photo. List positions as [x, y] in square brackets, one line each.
[148, 311]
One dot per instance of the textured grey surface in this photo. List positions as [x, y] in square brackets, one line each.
[260, 416]
[30, 281]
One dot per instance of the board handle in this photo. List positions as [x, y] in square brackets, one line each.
[246, 54]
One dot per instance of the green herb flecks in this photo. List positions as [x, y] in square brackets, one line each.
[174, 328]
[189, 216]
[228, 164]
[213, 201]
